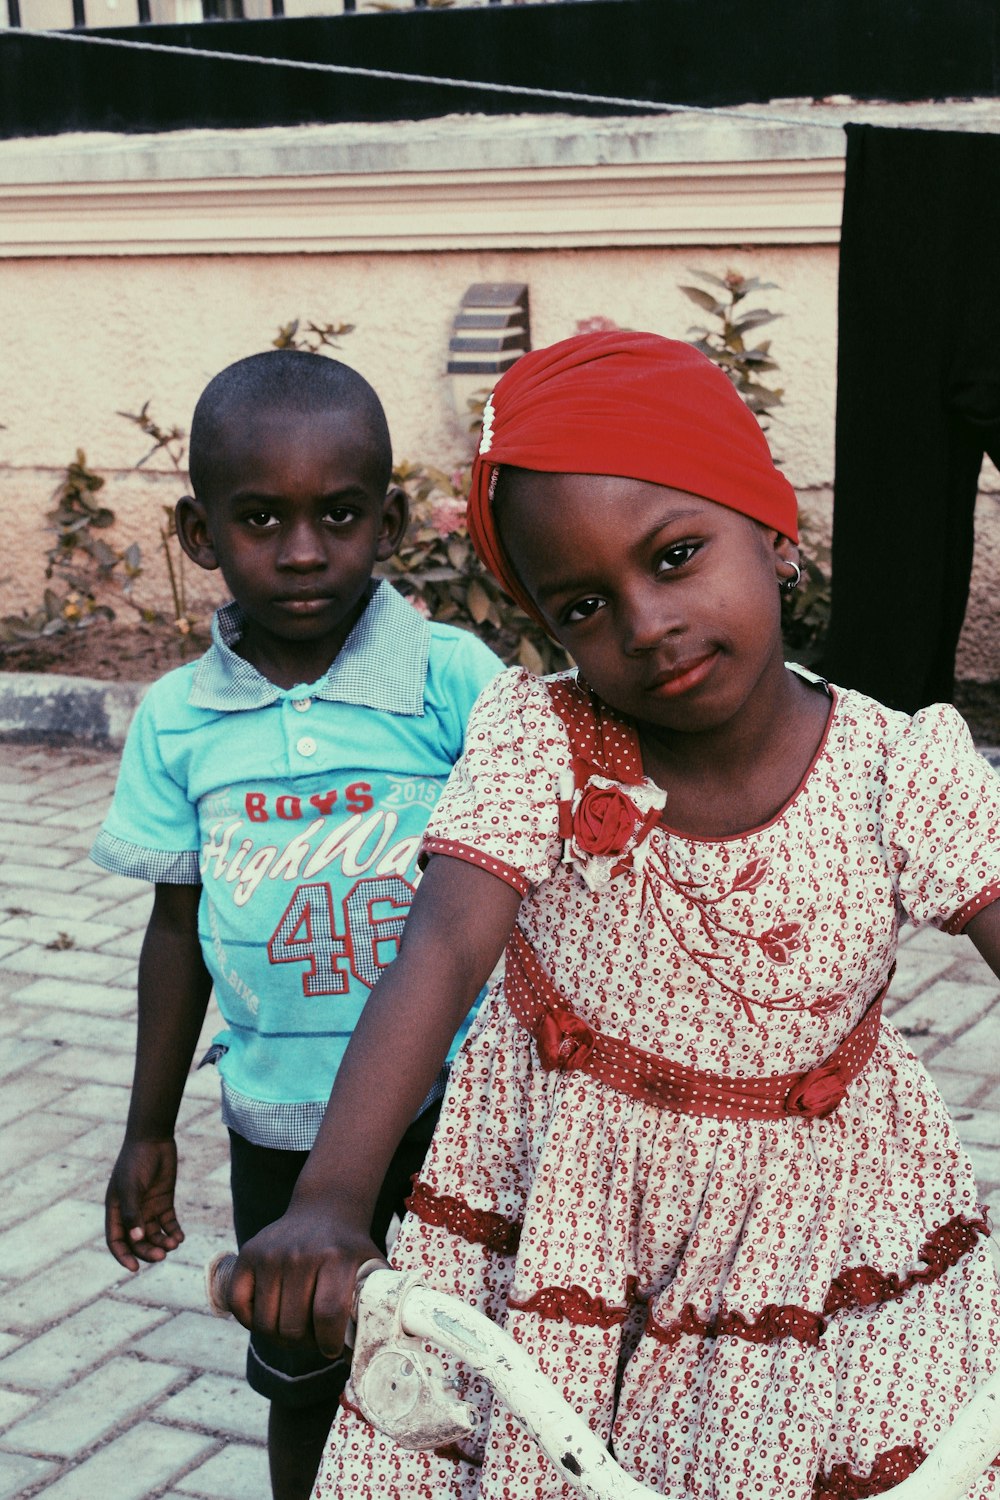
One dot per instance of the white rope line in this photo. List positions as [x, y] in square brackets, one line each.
[566, 96]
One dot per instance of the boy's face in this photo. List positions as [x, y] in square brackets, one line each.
[295, 516]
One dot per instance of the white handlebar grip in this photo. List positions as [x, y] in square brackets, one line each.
[219, 1282]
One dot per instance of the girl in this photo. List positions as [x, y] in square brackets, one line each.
[681, 1159]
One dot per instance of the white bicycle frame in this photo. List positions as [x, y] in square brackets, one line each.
[405, 1393]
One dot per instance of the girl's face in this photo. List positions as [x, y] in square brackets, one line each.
[668, 603]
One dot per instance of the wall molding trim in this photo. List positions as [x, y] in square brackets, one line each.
[675, 203]
[459, 182]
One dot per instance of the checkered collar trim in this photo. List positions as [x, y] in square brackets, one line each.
[382, 664]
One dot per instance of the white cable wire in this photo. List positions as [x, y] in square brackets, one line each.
[565, 96]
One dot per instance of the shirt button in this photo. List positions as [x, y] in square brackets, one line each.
[302, 705]
[306, 746]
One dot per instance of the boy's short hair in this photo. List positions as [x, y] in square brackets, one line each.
[284, 378]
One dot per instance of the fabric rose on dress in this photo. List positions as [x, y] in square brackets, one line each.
[604, 820]
[817, 1094]
[606, 826]
[564, 1042]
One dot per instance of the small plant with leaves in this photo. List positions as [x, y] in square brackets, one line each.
[79, 563]
[805, 613]
[437, 569]
[313, 338]
[726, 345]
[170, 441]
[79, 557]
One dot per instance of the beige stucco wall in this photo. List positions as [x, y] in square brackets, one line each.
[87, 336]
[95, 337]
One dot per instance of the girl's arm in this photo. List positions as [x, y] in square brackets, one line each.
[984, 930]
[174, 989]
[295, 1279]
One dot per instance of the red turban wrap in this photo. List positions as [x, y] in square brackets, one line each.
[631, 404]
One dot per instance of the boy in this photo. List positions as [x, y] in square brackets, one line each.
[275, 792]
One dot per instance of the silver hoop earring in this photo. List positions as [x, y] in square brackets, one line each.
[789, 585]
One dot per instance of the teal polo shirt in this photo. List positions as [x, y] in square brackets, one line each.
[300, 813]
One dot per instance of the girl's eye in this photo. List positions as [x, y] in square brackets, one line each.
[676, 556]
[583, 609]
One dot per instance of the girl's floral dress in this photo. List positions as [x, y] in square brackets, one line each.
[789, 1308]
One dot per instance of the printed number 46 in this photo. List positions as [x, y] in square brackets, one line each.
[374, 912]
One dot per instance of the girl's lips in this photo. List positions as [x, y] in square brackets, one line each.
[672, 683]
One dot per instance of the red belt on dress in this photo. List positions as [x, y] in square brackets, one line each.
[566, 1043]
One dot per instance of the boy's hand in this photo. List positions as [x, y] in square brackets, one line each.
[139, 1218]
[294, 1281]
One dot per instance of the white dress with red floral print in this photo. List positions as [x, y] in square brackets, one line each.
[790, 1308]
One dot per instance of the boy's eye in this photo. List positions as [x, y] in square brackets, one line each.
[260, 520]
[582, 610]
[340, 515]
[676, 556]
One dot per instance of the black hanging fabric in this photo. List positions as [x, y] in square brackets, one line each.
[918, 403]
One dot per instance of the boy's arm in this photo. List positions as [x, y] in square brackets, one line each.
[174, 989]
[295, 1279]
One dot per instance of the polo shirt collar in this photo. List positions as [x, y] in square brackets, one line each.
[382, 664]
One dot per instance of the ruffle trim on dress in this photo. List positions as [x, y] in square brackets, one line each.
[478, 1226]
[577, 1306]
[889, 1469]
[862, 1286]
[774, 1324]
[858, 1287]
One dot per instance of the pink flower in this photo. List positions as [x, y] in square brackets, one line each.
[420, 605]
[564, 1042]
[817, 1094]
[596, 325]
[448, 516]
[604, 820]
[780, 942]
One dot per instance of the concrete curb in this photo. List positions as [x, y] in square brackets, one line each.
[47, 708]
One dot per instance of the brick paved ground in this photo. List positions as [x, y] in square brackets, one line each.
[124, 1385]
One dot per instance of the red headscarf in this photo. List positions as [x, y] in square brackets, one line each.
[631, 404]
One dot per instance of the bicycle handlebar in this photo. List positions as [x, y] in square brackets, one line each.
[405, 1392]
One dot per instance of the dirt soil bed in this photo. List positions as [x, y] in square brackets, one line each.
[123, 651]
[111, 650]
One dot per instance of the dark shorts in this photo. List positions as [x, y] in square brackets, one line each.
[262, 1183]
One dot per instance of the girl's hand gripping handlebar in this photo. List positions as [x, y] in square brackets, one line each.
[403, 1389]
